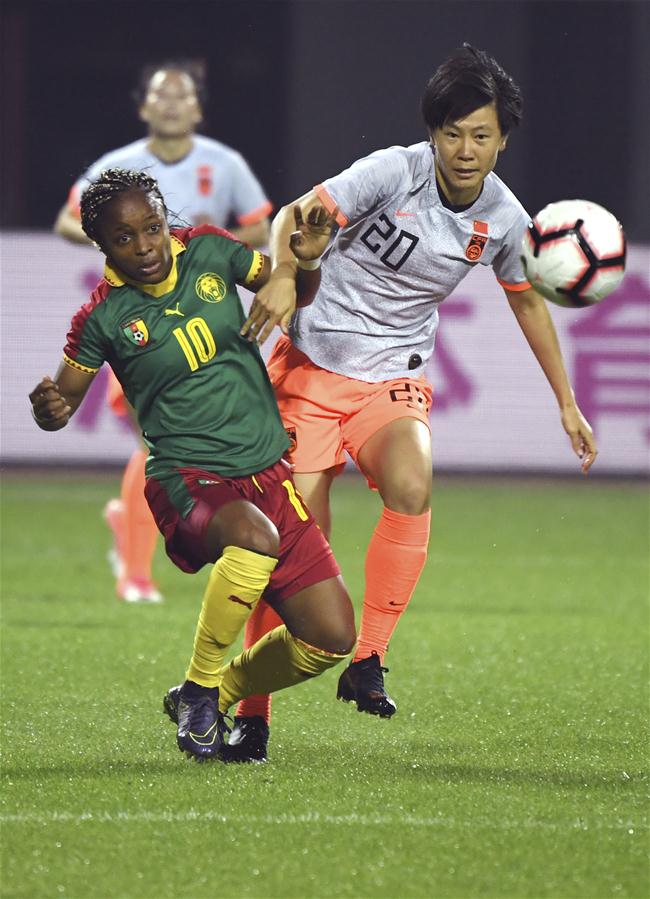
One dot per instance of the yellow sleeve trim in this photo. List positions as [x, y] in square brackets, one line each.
[73, 364]
[256, 267]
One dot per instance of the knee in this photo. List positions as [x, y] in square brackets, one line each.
[410, 495]
[336, 633]
[338, 637]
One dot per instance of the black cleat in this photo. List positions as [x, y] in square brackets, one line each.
[201, 726]
[170, 702]
[363, 682]
[248, 741]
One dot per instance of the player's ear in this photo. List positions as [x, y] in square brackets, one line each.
[503, 144]
[142, 113]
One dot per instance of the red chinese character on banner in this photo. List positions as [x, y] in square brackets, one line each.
[612, 355]
[453, 387]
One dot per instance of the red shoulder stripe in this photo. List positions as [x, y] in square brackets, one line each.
[185, 235]
[98, 296]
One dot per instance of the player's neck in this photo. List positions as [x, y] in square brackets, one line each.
[457, 198]
[170, 149]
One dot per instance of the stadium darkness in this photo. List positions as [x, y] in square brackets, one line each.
[69, 69]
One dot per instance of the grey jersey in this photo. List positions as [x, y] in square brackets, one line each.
[399, 252]
[212, 184]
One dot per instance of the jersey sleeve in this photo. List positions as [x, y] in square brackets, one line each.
[86, 348]
[365, 185]
[246, 262]
[507, 265]
[249, 202]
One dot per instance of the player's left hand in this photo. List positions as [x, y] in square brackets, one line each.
[581, 436]
[274, 304]
[309, 240]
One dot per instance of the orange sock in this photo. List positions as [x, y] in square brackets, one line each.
[139, 532]
[263, 620]
[396, 555]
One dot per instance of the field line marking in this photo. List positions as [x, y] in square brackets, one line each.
[352, 819]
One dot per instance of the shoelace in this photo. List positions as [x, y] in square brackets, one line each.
[199, 711]
[375, 674]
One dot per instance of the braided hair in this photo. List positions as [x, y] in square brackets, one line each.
[110, 183]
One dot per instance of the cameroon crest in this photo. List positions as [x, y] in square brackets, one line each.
[211, 288]
[136, 331]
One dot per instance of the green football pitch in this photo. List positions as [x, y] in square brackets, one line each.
[516, 766]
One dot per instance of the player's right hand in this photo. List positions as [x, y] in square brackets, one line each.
[50, 410]
[312, 235]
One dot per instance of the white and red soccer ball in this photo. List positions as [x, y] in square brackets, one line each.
[573, 253]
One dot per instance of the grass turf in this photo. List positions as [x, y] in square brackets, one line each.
[515, 767]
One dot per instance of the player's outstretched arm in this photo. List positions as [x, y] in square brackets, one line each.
[535, 321]
[300, 231]
[54, 402]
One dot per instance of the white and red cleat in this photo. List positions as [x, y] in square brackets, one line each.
[134, 589]
[138, 590]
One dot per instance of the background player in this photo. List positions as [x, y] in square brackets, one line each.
[413, 221]
[202, 180]
[216, 481]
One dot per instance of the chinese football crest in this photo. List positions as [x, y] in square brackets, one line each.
[479, 238]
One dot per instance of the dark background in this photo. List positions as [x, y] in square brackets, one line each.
[303, 88]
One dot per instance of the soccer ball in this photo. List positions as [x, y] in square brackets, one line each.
[573, 253]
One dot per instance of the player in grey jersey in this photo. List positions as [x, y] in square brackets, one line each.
[202, 181]
[412, 222]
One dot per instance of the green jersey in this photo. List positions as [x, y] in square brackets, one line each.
[200, 390]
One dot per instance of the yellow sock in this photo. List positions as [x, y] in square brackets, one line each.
[276, 661]
[236, 583]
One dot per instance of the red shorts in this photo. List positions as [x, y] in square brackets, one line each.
[328, 415]
[184, 502]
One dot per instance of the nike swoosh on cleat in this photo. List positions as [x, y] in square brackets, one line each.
[204, 739]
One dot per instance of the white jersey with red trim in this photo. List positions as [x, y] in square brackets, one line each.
[212, 184]
[398, 253]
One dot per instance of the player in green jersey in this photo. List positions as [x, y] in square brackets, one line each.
[168, 319]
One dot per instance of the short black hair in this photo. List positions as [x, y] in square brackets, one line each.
[110, 183]
[466, 81]
[195, 68]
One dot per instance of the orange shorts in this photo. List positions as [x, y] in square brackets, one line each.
[328, 415]
[115, 395]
